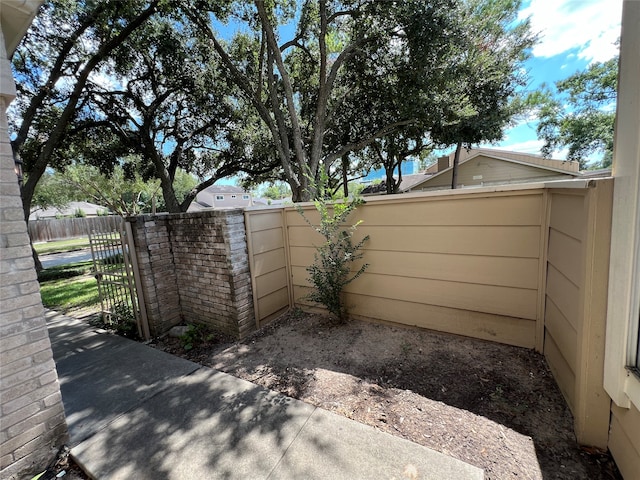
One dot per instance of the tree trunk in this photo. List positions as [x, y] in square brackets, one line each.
[396, 185]
[390, 181]
[454, 173]
[36, 259]
[345, 180]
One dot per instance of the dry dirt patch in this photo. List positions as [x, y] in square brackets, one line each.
[493, 406]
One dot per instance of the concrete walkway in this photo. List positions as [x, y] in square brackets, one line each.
[138, 413]
[57, 259]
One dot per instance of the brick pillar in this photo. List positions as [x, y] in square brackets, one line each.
[33, 425]
[235, 238]
[157, 271]
[194, 267]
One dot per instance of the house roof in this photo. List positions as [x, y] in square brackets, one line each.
[272, 202]
[602, 172]
[524, 158]
[408, 181]
[536, 161]
[223, 189]
[88, 208]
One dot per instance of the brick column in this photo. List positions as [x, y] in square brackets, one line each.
[235, 238]
[195, 268]
[157, 271]
[33, 425]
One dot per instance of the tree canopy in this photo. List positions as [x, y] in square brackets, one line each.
[493, 51]
[66, 43]
[278, 90]
[355, 72]
[580, 113]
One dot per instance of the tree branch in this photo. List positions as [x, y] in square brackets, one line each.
[354, 146]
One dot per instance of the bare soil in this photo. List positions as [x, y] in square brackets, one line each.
[491, 405]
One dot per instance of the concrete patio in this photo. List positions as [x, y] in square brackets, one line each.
[136, 412]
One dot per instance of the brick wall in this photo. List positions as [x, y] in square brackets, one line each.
[33, 425]
[195, 269]
[157, 271]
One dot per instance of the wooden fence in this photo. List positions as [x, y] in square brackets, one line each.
[62, 228]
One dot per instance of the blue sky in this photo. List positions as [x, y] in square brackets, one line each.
[573, 34]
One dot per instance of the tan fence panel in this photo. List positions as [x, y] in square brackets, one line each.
[268, 263]
[575, 308]
[567, 227]
[460, 263]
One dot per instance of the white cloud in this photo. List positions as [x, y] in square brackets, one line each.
[528, 146]
[592, 26]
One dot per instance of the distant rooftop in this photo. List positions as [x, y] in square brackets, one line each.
[90, 209]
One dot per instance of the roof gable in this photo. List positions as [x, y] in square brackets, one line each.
[545, 166]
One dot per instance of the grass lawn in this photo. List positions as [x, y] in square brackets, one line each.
[70, 293]
[61, 245]
[69, 287]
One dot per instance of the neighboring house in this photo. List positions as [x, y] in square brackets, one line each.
[481, 167]
[484, 167]
[408, 181]
[220, 196]
[269, 202]
[89, 210]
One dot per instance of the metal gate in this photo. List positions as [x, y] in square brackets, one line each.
[116, 270]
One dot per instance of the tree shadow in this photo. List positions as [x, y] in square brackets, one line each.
[125, 401]
[136, 412]
[511, 386]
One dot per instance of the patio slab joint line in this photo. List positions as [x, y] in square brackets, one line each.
[284, 454]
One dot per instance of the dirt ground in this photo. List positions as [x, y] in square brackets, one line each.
[493, 406]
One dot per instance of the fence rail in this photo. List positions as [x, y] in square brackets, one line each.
[61, 228]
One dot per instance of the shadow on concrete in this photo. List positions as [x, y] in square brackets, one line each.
[136, 412]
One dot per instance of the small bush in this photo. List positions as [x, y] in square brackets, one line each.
[48, 275]
[123, 320]
[79, 213]
[114, 259]
[331, 269]
[65, 271]
[194, 336]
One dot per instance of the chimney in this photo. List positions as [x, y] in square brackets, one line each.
[443, 162]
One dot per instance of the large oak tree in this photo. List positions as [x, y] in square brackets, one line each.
[304, 84]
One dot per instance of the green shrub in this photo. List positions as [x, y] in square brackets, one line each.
[194, 336]
[331, 269]
[114, 259]
[123, 320]
[65, 271]
[79, 213]
[48, 275]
